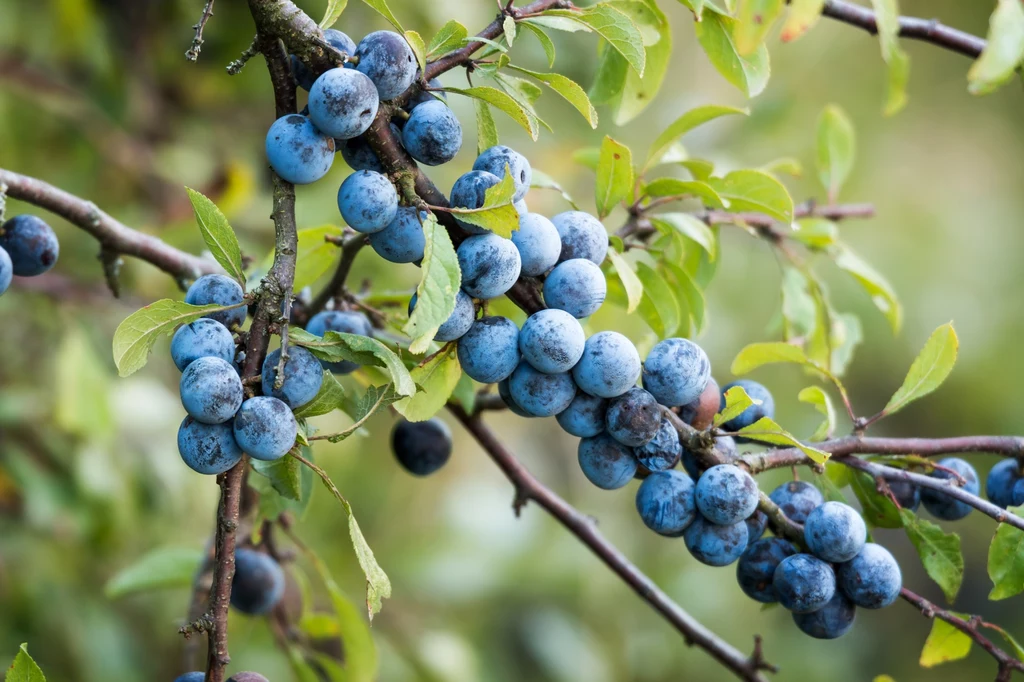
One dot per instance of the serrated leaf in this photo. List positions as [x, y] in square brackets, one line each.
[542, 180]
[440, 280]
[944, 644]
[803, 14]
[333, 12]
[765, 430]
[755, 190]
[448, 37]
[24, 668]
[689, 226]
[630, 282]
[1006, 560]
[437, 379]
[162, 568]
[929, 369]
[614, 26]
[418, 47]
[814, 395]
[486, 131]
[503, 102]
[217, 233]
[659, 307]
[614, 176]
[748, 73]
[877, 509]
[568, 89]
[872, 281]
[545, 42]
[939, 551]
[136, 335]
[331, 397]
[887, 19]
[283, 475]
[685, 123]
[335, 346]
[674, 187]
[497, 214]
[754, 18]
[756, 355]
[836, 147]
[382, 9]
[1003, 51]
[736, 403]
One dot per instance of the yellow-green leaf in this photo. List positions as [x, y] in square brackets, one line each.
[939, 551]
[887, 18]
[614, 175]
[381, 7]
[872, 281]
[659, 306]
[758, 354]
[448, 37]
[765, 430]
[754, 18]
[545, 42]
[1006, 560]
[736, 403]
[614, 26]
[24, 669]
[497, 214]
[504, 102]
[748, 73]
[814, 395]
[803, 14]
[486, 131]
[217, 234]
[685, 123]
[440, 279]
[436, 379]
[929, 369]
[508, 27]
[335, 347]
[329, 398]
[162, 568]
[674, 187]
[568, 89]
[1004, 50]
[944, 644]
[836, 148]
[689, 226]
[419, 48]
[630, 282]
[333, 11]
[755, 190]
[315, 255]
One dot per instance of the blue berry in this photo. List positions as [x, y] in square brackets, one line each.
[505, 392]
[200, 339]
[605, 462]
[6, 271]
[470, 191]
[218, 290]
[906, 493]
[661, 452]
[803, 583]
[584, 417]
[343, 103]
[389, 62]
[724, 444]
[609, 365]
[458, 323]
[489, 351]
[358, 154]
[633, 418]
[829, 622]
[265, 428]
[343, 322]
[538, 243]
[942, 505]
[715, 545]
[31, 245]
[304, 76]
[871, 579]
[999, 483]
[211, 390]
[756, 567]
[421, 447]
[752, 413]
[297, 151]
[402, 241]
[797, 499]
[835, 532]
[757, 523]
[665, 502]
[1017, 494]
[676, 372]
[191, 677]
[726, 494]
[367, 201]
[582, 235]
[207, 448]
[576, 286]
[540, 394]
[490, 265]
[522, 209]
[422, 96]
[496, 159]
[258, 583]
[432, 135]
[303, 376]
[552, 341]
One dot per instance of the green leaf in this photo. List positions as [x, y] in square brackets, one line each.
[334, 10]
[486, 131]
[525, 93]
[335, 346]
[754, 18]
[614, 26]
[217, 234]
[382, 9]
[749, 74]
[568, 89]
[1006, 560]
[542, 37]
[497, 214]
[541, 180]
[82, 401]
[756, 355]
[887, 18]
[755, 190]
[449, 37]
[872, 281]
[736, 403]
[877, 509]
[614, 176]
[508, 27]
[836, 147]
[558, 24]
[162, 568]
[440, 280]
[1018, 650]
[283, 474]
[674, 187]
[815, 233]
[803, 14]
[331, 397]
[691, 292]
[814, 395]
[24, 669]
[685, 123]
[504, 102]
[610, 79]
[636, 92]
[375, 399]
[766, 430]
[700, 169]
[315, 255]
[418, 47]
[659, 307]
[929, 369]
[1003, 52]
[799, 309]
[944, 644]
[845, 337]
[437, 378]
[136, 335]
[689, 226]
[630, 282]
[939, 551]
[786, 165]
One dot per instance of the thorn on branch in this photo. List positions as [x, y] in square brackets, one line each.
[112, 263]
[192, 54]
[202, 624]
[235, 67]
[757, 660]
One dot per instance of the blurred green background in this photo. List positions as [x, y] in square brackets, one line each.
[96, 97]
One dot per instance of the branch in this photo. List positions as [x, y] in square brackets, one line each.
[197, 43]
[349, 250]
[927, 30]
[113, 235]
[529, 488]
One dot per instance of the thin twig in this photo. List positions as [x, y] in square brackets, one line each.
[927, 30]
[197, 42]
